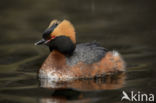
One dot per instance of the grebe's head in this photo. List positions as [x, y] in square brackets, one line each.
[59, 36]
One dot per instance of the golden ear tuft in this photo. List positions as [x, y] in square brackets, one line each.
[53, 22]
[65, 28]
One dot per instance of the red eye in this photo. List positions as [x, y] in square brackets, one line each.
[52, 37]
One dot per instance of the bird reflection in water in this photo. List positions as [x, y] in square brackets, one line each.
[74, 90]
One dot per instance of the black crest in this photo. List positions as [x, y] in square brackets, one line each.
[47, 32]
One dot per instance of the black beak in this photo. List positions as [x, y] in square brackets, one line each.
[42, 41]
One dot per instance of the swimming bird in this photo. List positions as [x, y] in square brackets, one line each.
[68, 60]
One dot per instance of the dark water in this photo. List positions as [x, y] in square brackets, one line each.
[126, 26]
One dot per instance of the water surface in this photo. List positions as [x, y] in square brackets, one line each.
[126, 26]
